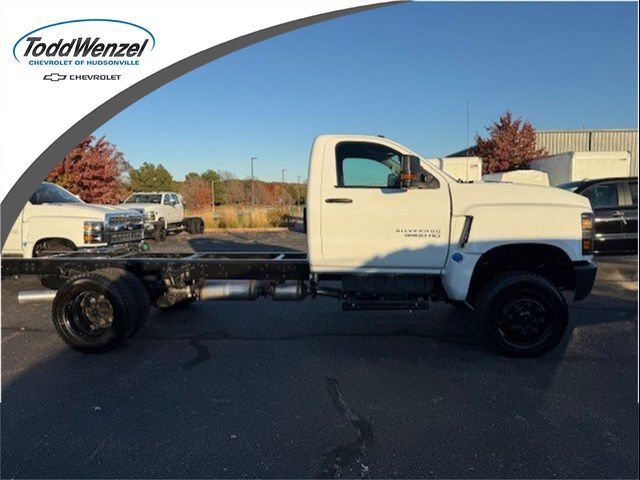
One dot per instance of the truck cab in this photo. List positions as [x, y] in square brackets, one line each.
[362, 221]
[163, 212]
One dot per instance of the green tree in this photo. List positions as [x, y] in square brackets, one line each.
[150, 177]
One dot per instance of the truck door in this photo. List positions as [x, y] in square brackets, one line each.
[13, 245]
[179, 207]
[369, 222]
[171, 210]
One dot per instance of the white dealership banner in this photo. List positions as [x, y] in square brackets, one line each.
[61, 60]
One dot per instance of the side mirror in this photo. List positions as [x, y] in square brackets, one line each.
[409, 170]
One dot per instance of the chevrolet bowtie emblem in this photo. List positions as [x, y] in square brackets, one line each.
[54, 77]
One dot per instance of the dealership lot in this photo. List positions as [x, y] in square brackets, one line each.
[279, 390]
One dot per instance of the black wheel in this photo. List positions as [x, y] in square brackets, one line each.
[160, 233]
[137, 291]
[51, 247]
[199, 226]
[95, 312]
[189, 225]
[525, 313]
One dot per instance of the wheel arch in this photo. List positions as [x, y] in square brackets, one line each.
[53, 240]
[544, 259]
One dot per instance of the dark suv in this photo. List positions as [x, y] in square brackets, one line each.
[615, 208]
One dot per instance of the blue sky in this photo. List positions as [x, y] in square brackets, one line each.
[404, 71]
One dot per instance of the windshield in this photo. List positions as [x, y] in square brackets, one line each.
[570, 187]
[144, 198]
[51, 193]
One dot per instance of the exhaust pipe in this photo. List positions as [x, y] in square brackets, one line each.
[36, 296]
[251, 290]
[231, 290]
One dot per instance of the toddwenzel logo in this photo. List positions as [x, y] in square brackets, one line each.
[85, 43]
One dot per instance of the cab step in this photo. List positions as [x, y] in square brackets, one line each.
[385, 305]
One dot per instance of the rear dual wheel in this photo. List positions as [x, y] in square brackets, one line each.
[194, 225]
[97, 311]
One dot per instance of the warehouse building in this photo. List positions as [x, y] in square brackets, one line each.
[560, 141]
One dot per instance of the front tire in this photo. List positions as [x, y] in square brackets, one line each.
[50, 247]
[526, 315]
[160, 232]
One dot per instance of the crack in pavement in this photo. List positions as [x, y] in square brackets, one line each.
[202, 356]
[354, 452]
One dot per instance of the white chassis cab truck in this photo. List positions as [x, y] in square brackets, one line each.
[163, 213]
[386, 230]
[55, 221]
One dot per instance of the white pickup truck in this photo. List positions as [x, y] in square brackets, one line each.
[54, 221]
[163, 213]
[385, 230]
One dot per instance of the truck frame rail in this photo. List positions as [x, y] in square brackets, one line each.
[269, 265]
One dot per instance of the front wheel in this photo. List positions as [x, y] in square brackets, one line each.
[525, 313]
[160, 232]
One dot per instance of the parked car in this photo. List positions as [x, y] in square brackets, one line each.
[615, 206]
[163, 213]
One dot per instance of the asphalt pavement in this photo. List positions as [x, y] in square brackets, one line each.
[300, 390]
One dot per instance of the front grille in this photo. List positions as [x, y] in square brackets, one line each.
[123, 227]
[126, 236]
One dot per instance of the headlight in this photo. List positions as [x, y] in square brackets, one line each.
[150, 216]
[93, 232]
[588, 232]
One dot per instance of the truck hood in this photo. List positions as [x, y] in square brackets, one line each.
[86, 211]
[147, 207]
[468, 195]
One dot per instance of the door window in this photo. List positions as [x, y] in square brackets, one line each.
[167, 199]
[602, 195]
[633, 191]
[362, 165]
[175, 199]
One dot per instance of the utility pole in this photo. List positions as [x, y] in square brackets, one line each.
[283, 170]
[467, 128]
[298, 191]
[253, 190]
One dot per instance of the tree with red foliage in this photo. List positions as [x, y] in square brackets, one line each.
[90, 171]
[510, 146]
[196, 192]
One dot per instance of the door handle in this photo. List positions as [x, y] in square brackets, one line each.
[617, 214]
[339, 200]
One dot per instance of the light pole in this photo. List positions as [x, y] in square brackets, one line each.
[283, 170]
[253, 190]
[298, 192]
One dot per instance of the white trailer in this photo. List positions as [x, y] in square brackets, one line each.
[574, 166]
[467, 169]
[525, 177]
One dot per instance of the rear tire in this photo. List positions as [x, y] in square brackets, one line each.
[526, 315]
[136, 289]
[97, 311]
